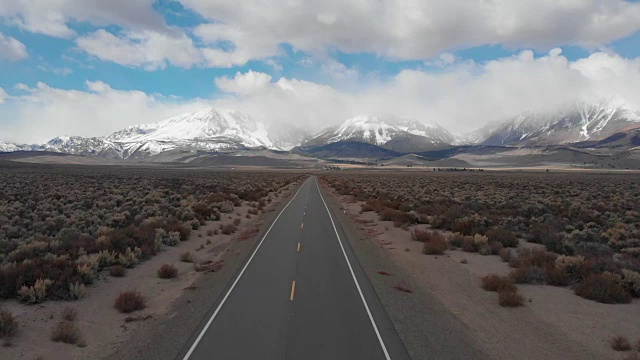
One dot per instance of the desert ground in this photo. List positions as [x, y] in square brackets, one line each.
[552, 322]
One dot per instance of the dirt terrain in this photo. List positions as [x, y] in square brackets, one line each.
[554, 323]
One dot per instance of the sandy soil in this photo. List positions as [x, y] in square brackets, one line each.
[553, 324]
[102, 327]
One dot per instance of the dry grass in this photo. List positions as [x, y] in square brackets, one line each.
[620, 343]
[167, 271]
[436, 246]
[510, 298]
[130, 301]
[67, 332]
[495, 282]
[8, 324]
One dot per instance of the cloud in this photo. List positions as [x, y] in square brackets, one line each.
[3, 95]
[40, 113]
[413, 29]
[463, 96]
[146, 49]
[12, 49]
[53, 17]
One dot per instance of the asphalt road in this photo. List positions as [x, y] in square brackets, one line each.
[301, 295]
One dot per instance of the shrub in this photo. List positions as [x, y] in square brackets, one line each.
[167, 271]
[505, 254]
[620, 343]
[435, 246]
[8, 324]
[228, 229]
[603, 288]
[236, 221]
[495, 282]
[510, 298]
[457, 240]
[501, 235]
[36, 293]
[129, 301]
[527, 274]
[186, 257]
[631, 281]
[77, 290]
[117, 271]
[421, 235]
[66, 332]
[557, 276]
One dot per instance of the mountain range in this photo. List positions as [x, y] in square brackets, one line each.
[218, 130]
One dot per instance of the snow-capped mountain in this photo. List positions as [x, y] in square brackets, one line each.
[12, 147]
[398, 134]
[207, 129]
[581, 121]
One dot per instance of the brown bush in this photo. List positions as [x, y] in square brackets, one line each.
[236, 221]
[130, 301]
[67, 332]
[495, 282]
[228, 229]
[436, 246]
[167, 271]
[8, 324]
[510, 298]
[421, 235]
[503, 236]
[529, 274]
[603, 288]
[117, 270]
[505, 254]
[557, 276]
[620, 343]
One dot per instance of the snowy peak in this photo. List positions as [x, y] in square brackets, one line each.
[391, 132]
[581, 121]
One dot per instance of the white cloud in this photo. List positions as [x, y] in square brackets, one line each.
[12, 49]
[149, 50]
[245, 84]
[3, 95]
[414, 29]
[462, 97]
[45, 112]
[52, 17]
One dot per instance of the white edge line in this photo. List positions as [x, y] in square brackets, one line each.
[206, 327]
[373, 322]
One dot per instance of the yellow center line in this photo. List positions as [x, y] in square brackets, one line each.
[302, 226]
[298, 247]
[293, 290]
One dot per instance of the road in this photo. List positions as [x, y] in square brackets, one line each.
[300, 295]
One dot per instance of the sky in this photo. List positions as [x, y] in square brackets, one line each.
[92, 67]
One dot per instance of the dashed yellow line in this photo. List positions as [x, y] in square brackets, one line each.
[302, 226]
[298, 247]
[293, 290]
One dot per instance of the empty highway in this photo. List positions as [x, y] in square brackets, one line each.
[300, 295]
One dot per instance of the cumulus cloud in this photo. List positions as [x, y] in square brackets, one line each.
[52, 17]
[149, 50]
[43, 112]
[414, 29]
[12, 49]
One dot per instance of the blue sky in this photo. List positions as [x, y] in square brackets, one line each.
[175, 50]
